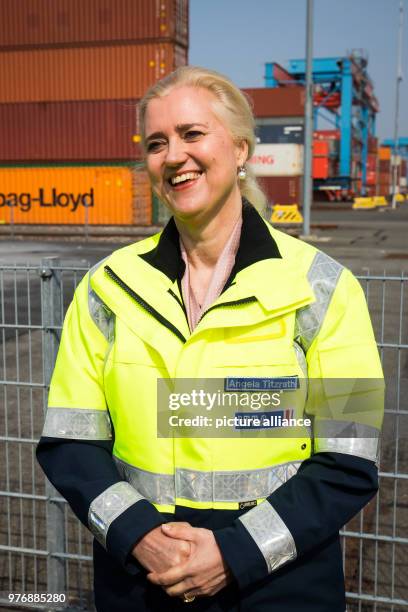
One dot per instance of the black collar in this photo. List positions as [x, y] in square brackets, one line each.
[256, 244]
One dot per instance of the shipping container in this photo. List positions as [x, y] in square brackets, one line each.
[384, 178]
[321, 161]
[284, 133]
[282, 189]
[277, 160]
[94, 195]
[34, 23]
[372, 144]
[320, 167]
[372, 161]
[85, 73]
[384, 166]
[277, 101]
[326, 134]
[372, 167]
[371, 178]
[384, 190]
[142, 202]
[384, 153]
[100, 130]
[332, 138]
[320, 148]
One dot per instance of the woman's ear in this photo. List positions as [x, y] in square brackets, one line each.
[242, 152]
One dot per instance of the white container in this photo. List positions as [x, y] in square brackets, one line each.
[277, 160]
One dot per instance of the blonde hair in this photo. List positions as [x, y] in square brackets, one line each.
[231, 107]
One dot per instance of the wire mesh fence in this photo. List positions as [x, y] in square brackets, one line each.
[43, 547]
[375, 542]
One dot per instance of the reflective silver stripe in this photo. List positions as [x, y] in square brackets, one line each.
[108, 506]
[101, 315]
[271, 535]
[323, 276]
[232, 486]
[103, 318]
[346, 437]
[78, 423]
[200, 486]
[157, 488]
[301, 359]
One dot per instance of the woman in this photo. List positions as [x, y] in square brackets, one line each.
[248, 523]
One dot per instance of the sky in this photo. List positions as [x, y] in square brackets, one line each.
[237, 37]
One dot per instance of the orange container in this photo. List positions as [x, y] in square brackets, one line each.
[33, 23]
[320, 148]
[384, 153]
[85, 73]
[97, 195]
[320, 168]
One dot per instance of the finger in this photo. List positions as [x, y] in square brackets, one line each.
[180, 588]
[172, 576]
[177, 523]
[179, 531]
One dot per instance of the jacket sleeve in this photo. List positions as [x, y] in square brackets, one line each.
[345, 401]
[75, 450]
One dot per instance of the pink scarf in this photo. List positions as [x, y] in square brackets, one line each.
[219, 277]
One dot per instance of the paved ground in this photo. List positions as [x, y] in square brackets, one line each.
[366, 241]
[361, 239]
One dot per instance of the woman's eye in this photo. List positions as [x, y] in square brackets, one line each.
[191, 134]
[154, 146]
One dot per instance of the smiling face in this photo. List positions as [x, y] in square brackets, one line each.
[191, 157]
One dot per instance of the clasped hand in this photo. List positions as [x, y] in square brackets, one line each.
[181, 558]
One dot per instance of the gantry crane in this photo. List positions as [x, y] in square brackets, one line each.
[344, 96]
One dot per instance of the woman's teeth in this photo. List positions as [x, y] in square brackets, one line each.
[184, 177]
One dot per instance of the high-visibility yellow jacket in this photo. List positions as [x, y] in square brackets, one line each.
[288, 313]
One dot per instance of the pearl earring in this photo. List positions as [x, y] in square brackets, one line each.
[242, 173]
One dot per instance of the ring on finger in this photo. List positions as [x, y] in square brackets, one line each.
[188, 598]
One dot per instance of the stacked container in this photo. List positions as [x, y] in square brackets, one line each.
[384, 172]
[372, 173]
[372, 166]
[388, 164]
[71, 75]
[278, 156]
[326, 145]
[321, 159]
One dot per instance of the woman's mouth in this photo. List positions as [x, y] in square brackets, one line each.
[183, 181]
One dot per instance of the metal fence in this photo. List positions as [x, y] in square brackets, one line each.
[43, 547]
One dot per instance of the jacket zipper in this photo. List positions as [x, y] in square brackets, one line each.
[137, 298]
[179, 302]
[246, 300]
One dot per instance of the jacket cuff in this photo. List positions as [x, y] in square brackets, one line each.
[118, 518]
[241, 554]
[260, 535]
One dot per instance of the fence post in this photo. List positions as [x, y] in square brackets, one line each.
[52, 316]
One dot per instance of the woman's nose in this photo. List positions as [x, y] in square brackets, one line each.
[176, 153]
